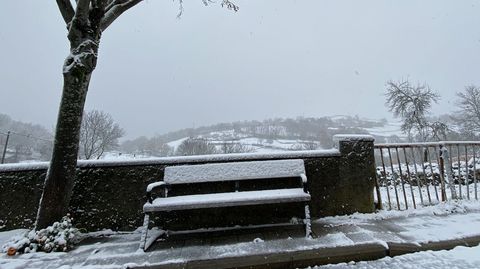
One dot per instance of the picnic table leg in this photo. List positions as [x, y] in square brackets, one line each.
[143, 237]
[308, 224]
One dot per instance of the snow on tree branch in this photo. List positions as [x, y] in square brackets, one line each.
[66, 9]
[411, 103]
[229, 5]
[84, 56]
[115, 10]
[225, 3]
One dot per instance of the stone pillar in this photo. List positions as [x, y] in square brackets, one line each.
[356, 181]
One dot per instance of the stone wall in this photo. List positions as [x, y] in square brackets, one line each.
[110, 195]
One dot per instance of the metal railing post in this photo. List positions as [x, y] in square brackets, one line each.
[467, 173]
[441, 169]
[475, 173]
[448, 168]
[5, 147]
[386, 180]
[409, 177]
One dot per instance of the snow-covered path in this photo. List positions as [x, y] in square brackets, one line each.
[448, 221]
[457, 258]
[412, 230]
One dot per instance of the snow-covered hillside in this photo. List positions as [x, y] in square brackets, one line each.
[271, 135]
[254, 144]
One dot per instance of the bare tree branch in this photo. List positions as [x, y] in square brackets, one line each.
[468, 113]
[411, 103]
[230, 5]
[82, 9]
[115, 11]
[113, 3]
[66, 9]
[225, 3]
[196, 146]
[99, 133]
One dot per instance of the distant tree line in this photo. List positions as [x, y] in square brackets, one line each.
[26, 141]
[99, 134]
[157, 147]
[315, 132]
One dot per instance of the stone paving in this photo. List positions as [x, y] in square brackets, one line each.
[339, 239]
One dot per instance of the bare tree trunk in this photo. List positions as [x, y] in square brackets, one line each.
[85, 24]
[77, 71]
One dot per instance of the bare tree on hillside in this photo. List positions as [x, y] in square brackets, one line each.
[154, 146]
[157, 147]
[468, 113]
[137, 145]
[306, 145]
[412, 103]
[196, 146]
[227, 147]
[85, 21]
[28, 141]
[99, 133]
[310, 145]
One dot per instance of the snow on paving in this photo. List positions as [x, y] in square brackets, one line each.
[452, 220]
[459, 257]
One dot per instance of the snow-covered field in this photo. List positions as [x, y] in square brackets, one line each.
[250, 144]
[253, 143]
[389, 129]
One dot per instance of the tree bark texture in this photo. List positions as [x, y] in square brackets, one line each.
[85, 23]
[84, 36]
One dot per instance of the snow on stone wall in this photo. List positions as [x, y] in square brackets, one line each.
[180, 159]
[110, 194]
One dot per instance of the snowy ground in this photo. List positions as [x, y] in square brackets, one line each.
[389, 129]
[453, 220]
[459, 257]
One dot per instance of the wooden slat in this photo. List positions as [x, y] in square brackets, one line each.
[213, 172]
[215, 200]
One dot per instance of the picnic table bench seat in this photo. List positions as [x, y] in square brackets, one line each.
[221, 172]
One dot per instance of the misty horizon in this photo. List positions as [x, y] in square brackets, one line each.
[126, 136]
[157, 73]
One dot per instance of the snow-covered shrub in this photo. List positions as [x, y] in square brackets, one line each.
[61, 236]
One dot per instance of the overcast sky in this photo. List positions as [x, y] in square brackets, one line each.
[157, 73]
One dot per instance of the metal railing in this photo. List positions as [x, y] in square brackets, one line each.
[410, 175]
